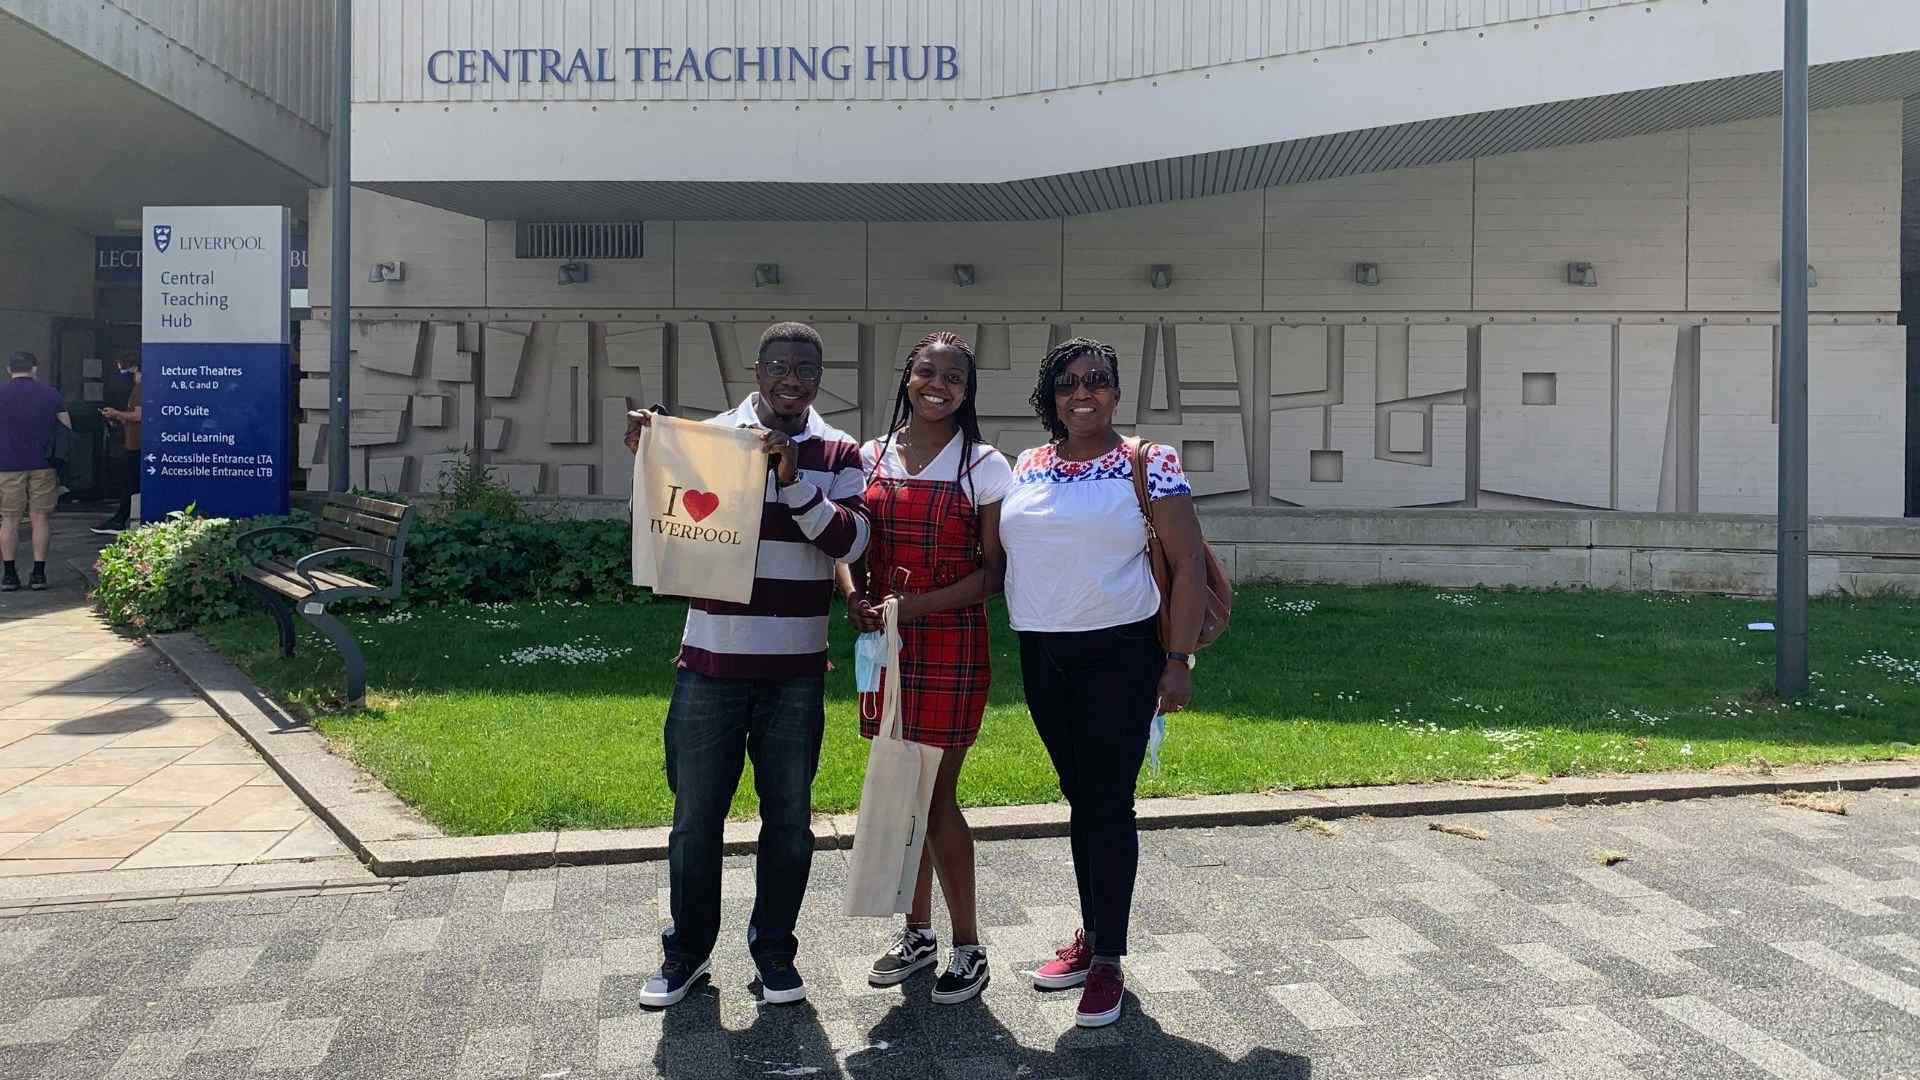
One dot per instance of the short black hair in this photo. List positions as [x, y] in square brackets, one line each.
[22, 363]
[1056, 362]
[797, 332]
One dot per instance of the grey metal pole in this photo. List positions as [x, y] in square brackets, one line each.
[340, 297]
[1790, 662]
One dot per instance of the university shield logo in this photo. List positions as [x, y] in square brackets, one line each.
[162, 236]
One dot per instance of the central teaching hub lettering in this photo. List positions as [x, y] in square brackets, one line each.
[721, 64]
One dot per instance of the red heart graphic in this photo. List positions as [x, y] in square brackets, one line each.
[700, 503]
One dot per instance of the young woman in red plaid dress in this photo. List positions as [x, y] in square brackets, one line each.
[934, 496]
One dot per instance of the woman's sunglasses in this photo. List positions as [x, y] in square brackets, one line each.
[1095, 381]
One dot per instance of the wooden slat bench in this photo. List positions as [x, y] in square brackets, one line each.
[350, 528]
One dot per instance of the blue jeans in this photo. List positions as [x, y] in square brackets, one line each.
[713, 726]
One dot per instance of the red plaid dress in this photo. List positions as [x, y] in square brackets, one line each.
[927, 536]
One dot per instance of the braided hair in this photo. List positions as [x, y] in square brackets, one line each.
[966, 417]
[1057, 359]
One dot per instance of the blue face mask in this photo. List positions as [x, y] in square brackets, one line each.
[869, 660]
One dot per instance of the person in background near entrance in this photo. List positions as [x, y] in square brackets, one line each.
[752, 680]
[934, 489]
[29, 409]
[127, 420]
[1081, 595]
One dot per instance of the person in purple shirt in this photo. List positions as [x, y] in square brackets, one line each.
[28, 484]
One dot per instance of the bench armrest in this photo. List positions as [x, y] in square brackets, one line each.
[338, 554]
[240, 541]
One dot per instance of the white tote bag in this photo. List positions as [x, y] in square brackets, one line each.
[698, 493]
[892, 828]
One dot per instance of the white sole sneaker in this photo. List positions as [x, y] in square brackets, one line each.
[1063, 982]
[1095, 1020]
[960, 997]
[783, 997]
[674, 997]
[895, 978]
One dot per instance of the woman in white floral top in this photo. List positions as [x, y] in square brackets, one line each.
[1082, 596]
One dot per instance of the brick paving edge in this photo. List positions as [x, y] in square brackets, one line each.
[393, 840]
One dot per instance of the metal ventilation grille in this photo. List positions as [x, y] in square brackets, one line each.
[578, 240]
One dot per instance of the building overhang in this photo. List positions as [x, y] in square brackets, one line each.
[1317, 157]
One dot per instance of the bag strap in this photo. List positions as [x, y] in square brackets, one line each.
[1140, 450]
[890, 682]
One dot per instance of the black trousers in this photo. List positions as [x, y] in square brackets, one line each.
[129, 484]
[1092, 696]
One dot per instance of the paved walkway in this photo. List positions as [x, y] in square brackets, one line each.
[1741, 940]
[115, 776]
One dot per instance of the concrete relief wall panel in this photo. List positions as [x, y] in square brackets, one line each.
[700, 388]
[569, 385]
[504, 358]
[821, 264]
[1301, 363]
[1015, 265]
[1648, 457]
[1212, 247]
[444, 254]
[1854, 170]
[1738, 437]
[1362, 442]
[1546, 413]
[1620, 205]
[560, 428]
[611, 283]
[409, 419]
[1415, 225]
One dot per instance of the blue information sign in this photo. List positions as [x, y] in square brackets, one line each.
[214, 361]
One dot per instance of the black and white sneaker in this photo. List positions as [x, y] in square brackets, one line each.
[10, 582]
[965, 977]
[780, 983]
[109, 528]
[671, 982]
[37, 580]
[915, 951]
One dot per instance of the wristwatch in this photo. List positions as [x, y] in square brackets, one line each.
[1184, 658]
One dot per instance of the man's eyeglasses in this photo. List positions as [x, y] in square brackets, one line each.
[1095, 381]
[780, 369]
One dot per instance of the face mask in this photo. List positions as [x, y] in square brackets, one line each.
[1155, 735]
[869, 660]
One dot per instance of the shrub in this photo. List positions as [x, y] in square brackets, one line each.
[466, 555]
[471, 487]
[170, 574]
[180, 572]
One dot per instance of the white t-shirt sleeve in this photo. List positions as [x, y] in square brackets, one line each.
[1165, 477]
[869, 453]
[991, 477]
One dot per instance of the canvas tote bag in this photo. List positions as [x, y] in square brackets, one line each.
[892, 827]
[698, 493]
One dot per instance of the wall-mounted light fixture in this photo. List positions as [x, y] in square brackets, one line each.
[387, 270]
[963, 275]
[574, 273]
[1366, 273]
[766, 275]
[1160, 276]
[1583, 275]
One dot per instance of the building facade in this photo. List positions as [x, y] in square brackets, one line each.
[1355, 254]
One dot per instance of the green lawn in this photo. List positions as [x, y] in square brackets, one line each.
[1313, 687]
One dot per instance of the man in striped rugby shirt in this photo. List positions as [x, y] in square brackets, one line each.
[751, 680]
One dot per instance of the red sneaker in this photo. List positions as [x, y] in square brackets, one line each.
[1068, 968]
[1106, 991]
